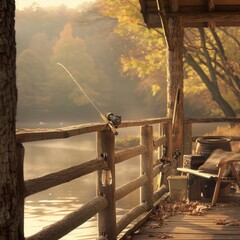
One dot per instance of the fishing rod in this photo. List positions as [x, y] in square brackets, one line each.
[111, 120]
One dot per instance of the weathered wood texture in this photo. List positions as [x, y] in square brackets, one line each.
[167, 132]
[129, 187]
[159, 142]
[210, 120]
[195, 13]
[40, 134]
[190, 227]
[143, 218]
[54, 179]
[128, 153]
[71, 221]
[107, 217]
[131, 215]
[175, 82]
[147, 164]
[159, 193]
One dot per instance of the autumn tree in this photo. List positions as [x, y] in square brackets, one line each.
[138, 58]
[205, 53]
[212, 66]
[9, 185]
[72, 53]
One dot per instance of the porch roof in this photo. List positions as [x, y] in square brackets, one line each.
[194, 13]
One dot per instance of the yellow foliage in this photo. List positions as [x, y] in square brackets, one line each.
[155, 89]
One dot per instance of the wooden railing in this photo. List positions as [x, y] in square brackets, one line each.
[189, 139]
[104, 204]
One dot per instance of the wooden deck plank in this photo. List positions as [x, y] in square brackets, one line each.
[191, 227]
[187, 237]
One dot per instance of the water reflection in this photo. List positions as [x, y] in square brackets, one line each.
[41, 213]
[49, 206]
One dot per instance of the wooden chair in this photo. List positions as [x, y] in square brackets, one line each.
[219, 178]
[234, 178]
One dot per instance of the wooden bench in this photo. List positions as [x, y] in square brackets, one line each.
[219, 178]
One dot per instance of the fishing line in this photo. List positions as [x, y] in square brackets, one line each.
[112, 120]
[74, 80]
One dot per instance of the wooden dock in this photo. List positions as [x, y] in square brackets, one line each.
[221, 222]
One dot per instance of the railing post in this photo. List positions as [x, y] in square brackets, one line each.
[20, 160]
[162, 133]
[107, 217]
[147, 165]
[169, 144]
[187, 138]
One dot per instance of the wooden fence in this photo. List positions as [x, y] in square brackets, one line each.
[104, 204]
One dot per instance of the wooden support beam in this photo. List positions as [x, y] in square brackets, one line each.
[196, 19]
[174, 5]
[207, 16]
[175, 82]
[211, 8]
[211, 5]
[164, 22]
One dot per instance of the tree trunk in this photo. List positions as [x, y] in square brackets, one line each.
[212, 87]
[9, 196]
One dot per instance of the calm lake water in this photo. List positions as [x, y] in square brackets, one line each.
[47, 207]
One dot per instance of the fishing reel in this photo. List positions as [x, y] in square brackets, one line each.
[114, 119]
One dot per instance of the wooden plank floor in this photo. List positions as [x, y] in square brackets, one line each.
[190, 227]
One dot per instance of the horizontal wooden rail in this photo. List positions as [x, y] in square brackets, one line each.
[51, 180]
[136, 225]
[208, 120]
[160, 192]
[71, 221]
[142, 122]
[131, 215]
[126, 154]
[159, 142]
[39, 134]
[157, 169]
[131, 186]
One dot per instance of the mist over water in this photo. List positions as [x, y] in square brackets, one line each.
[48, 99]
[47, 207]
[45, 157]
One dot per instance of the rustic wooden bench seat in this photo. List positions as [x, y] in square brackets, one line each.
[219, 178]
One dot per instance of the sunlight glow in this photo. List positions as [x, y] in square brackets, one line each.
[21, 4]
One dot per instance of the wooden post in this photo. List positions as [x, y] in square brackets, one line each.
[20, 161]
[175, 81]
[187, 139]
[107, 217]
[147, 165]
[160, 152]
[167, 131]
